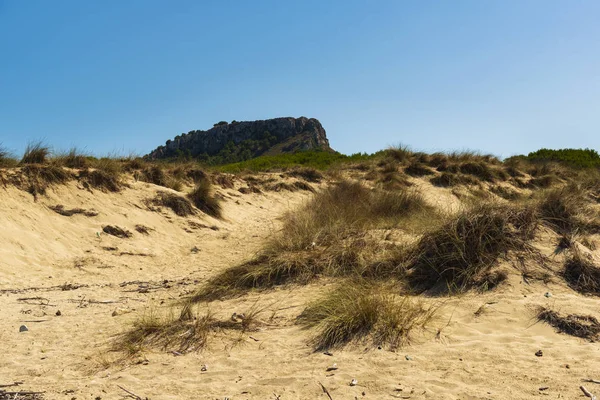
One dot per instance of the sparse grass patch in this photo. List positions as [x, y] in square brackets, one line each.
[582, 326]
[189, 331]
[203, 198]
[179, 204]
[40, 177]
[357, 311]
[457, 255]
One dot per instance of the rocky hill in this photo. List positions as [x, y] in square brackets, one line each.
[238, 141]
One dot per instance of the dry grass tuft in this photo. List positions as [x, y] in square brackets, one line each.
[567, 210]
[456, 256]
[449, 179]
[203, 198]
[306, 173]
[7, 160]
[189, 331]
[582, 326]
[71, 159]
[117, 231]
[357, 311]
[416, 168]
[156, 175]
[582, 274]
[68, 212]
[35, 153]
[179, 204]
[40, 177]
[100, 179]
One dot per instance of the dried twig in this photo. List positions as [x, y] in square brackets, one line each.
[325, 391]
[591, 381]
[587, 393]
[131, 394]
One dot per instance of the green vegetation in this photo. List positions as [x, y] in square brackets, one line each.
[582, 158]
[315, 159]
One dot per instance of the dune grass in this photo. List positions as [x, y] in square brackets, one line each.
[582, 326]
[35, 153]
[326, 236]
[179, 204]
[460, 254]
[567, 209]
[360, 311]
[582, 274]
[204, 199]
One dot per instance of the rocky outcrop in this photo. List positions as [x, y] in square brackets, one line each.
[271, 136]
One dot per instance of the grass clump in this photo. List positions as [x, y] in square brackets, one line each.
[326, 236]
[179, 204]
[203, 198]
[72, 159]
[100, 179]
[567, 210]
[306, 173]
[116, 231]
[582, 326]
[39, 177]
[6, 158]
[35, 153]
[358, 311]
[449, 179]
[156, 175]
[460, 253]
[582, 274]
[189, 331]
[415, 168]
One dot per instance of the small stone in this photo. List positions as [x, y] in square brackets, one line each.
[353, 382]
[23, 328]
[58, 313]
[548, 294]
[408, 358]
[539, 353]
[332, 368]
[543, 388]
[204, 368]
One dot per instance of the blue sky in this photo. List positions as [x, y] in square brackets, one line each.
[502, 77]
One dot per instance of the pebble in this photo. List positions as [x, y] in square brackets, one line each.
[332, 368]
[23, 328]
[204, 368]
[548, 294]
[354, 382]
[408, 358]
[539, 353]
[58, 313]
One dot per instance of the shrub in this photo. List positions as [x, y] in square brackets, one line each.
[204, 200]
[462, 251]
[35, 153]
[582, 158]
[355, 311]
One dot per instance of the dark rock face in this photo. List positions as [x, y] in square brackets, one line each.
[292, 134]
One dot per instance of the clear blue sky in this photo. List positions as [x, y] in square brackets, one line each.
[503, 77]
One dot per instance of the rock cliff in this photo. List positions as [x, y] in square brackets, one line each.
[236, 141]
